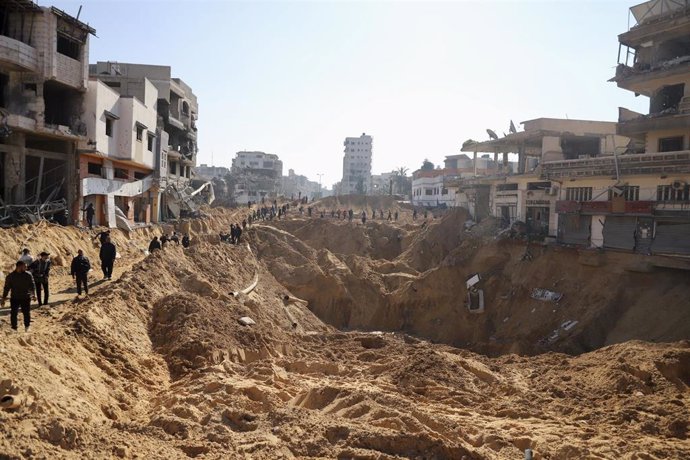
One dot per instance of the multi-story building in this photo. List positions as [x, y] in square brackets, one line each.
[546, 150]
[212, 172]
[174, 135]
[257, 176]
[654, 185]
[295, 186]
[436, 187]
[44, 55]
[357, 166]
[118, 158]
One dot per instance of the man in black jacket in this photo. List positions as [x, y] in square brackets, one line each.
[40, 269]
[21, 283]
[80, 271]
[107, 256]
[154, 245]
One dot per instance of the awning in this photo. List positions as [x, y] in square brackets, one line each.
[141, 125]
[111, 115]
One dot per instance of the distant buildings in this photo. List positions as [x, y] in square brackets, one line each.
[257, 175]
[357, 166]
[212, 172]
[296, 186]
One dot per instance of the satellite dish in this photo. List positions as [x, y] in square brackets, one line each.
[492, 134]
[512, 127]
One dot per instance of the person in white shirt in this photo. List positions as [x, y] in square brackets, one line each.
[26, 257]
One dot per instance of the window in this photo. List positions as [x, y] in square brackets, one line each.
[505, 187]
[112, 84]
[109, 126]
[678, 191]
[140, 133]
[95, 169]
[171, 167]
[185, 108]
[538, 185]
[139, 175]
[428, 191]
[68, 46]
[151, 137]
[630, 192]
[578, 193]
[671, 144]
[120, 173]
[444, 191]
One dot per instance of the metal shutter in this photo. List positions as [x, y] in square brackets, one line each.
[671, 238]
[574, 229]
[619, 232]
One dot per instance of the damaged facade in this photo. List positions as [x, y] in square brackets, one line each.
[141, 145]
[257, 176]
[43, 79]
[546, 148]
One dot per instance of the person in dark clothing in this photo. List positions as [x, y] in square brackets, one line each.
[21, 284]
[107, 255]
[238, 233]
[396, 216]
[414, 215]
[90, 212]
[103, 236]
[80, 272]
[185, 241]
[164, 239]
[233, 233]
[175, 239]
[364, 217]
[40, 269]
[154, 245]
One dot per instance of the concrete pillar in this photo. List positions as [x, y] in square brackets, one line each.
[15, 169]
[475, 163]
[522, 160]
[110, 211]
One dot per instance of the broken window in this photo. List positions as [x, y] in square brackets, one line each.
[68, 46]
[578, 193]
[139, 175]
[667, 99]
[95, 169]
[150, 142]
[630, 192]
[62, 104]
[171, 167]
[671, 144]
[4, 89]
[185, 108]
[120, 173]
[577, 147]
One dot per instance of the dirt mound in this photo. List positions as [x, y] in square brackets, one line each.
[359, 203]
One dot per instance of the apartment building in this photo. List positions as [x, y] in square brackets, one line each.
[118, 161]
[545, 149]
[212, 172]
[357, 166]
[43, 78]
[654, 185]
[296, 186]
[173, 136]
[257, 176]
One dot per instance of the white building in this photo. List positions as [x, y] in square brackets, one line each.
[211, 172]
[357, 165]
[295, 186]
[258, 175]
[118, 160]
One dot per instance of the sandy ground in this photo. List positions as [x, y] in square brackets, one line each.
[155, 363]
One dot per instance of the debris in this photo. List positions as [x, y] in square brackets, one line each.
[474, 279]
[545, 295]
[247, 321]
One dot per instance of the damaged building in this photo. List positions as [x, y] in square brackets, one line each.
[532, 194]
[160, 121]
[43, 79]
[257, 175]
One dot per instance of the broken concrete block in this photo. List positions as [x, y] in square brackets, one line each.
[246, 321]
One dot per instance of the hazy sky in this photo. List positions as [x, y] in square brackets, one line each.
[296, 78]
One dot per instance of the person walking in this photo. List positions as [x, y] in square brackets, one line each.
[21, 284]
[107, 255]
[80, 272]
[90, 212]
[185, 241]
[364, 217]
[40, 269]
[155, 245]
[238, 233]
[102, 236]
[175, 238]
[164, 239]
[26, 257]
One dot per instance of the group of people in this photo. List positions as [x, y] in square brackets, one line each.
[235, 233]
[159, 243]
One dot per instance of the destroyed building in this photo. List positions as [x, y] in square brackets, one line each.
[257, 176]
[169, 139]
[297, 186]
[545, 149]
[44, 56]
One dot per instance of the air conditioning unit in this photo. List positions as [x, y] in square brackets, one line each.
[678, 185]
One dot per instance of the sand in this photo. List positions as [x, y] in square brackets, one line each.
[155, 364]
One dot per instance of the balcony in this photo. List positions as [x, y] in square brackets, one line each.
[605, 207]
[668, 120]
[611, 166]
[17, 56]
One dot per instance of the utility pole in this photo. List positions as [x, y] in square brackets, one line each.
[320, 176]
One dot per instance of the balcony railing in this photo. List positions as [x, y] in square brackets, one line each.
[612, 166]
[18, 55]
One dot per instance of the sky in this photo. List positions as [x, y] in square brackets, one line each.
[296, 78]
